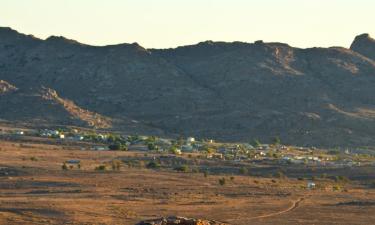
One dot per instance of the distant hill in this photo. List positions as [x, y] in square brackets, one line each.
[228, 91]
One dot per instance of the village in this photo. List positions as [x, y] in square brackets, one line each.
[253, 152]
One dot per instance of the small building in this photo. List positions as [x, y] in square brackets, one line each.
[62, 136]
[190, 140]
[100, 148]
[73, 161]
[311, 185]
[187, 148]
[20, 132]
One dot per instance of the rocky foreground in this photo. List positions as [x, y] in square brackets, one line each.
[179, 221]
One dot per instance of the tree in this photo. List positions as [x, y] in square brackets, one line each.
[256, 143]
[276, 140]
[243, 170]
[222, 181]
[153, 165]
[183, 168]
[118, 146]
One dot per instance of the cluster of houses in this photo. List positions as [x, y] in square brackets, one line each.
[237, 152]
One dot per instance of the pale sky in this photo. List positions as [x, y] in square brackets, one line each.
[171, 23]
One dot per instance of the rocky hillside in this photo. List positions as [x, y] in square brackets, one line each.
[44, 106]
[227, 91]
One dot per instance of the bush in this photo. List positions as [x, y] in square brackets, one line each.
[151, 146]
[341, 179]
[280, 175]
[276, 141]
[118, 146]
[195, 170]
[205, 173]
[183, 168]
[256, 143]
[116, 165]
[222, 181]
[153, 165]
[244, 170]
[100, 168]
[64, 166]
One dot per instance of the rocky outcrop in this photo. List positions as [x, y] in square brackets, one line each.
[179, 221]
[5, 87]
[364, 45]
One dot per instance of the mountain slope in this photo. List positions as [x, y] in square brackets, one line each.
[228, 91]
[45, 106]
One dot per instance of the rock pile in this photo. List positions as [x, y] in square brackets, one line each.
[179, 221]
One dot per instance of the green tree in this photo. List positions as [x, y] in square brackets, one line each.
[276, 140]
[222, 181]
[256, 143]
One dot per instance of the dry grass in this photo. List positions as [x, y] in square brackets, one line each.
[40, 192]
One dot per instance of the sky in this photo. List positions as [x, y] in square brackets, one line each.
[171, 23]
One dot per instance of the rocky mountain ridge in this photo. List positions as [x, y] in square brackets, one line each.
[228, 91]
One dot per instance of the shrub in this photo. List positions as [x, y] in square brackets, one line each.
[33, 158]
[100, 168]
[64, 166]
[183, 168]
[195, 170]
[116, 165]
[243, 170]
[336, 188]
[222, 181]
[151, 146]
[205, 173]
[153, 165]
[280, 175]
[118, 146]
[276, 141]
[256, 143]
[232, 178]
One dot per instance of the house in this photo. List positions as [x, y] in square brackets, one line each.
[20, 132]
[248, 146]
[139, 147]
[78, 138]
[217, 156]
[190, 140]
[62, 136]
[73, 161]
[100, 148]
[311, 185]
[187, 148]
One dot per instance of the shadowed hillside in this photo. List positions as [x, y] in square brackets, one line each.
[227, 91]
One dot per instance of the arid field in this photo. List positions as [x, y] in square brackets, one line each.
[34, 189]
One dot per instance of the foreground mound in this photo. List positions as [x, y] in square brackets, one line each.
[179, 221]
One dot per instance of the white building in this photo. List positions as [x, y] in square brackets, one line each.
[190, 140]
[311, 185]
